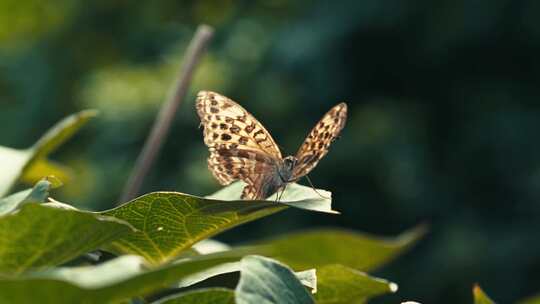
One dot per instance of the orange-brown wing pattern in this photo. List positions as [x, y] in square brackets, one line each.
[240, 147]
[318, 141]
[226, 122]
[228, 165]
[254, 188]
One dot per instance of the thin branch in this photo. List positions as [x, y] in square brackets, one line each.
[167, 112]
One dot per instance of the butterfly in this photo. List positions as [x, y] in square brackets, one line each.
[242, 149]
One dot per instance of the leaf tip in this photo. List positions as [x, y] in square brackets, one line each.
[414, 234]
[89, 113]
[393, 287]
[54, 181]
[479, 295]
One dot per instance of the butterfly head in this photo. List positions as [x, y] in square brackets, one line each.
[289, 163]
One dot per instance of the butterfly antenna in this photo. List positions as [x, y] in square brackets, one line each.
[312, 187]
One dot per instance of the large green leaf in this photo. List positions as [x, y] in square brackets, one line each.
[480, 296]
[168, 223]
[111, 282]
[265, 281]
[201, 296]
[40, 235]
[16, 163]
[319, 247]
[338, 284]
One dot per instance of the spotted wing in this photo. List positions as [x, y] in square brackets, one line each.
[316, 144]
[240, 147]
[254, 188]
[233, 163]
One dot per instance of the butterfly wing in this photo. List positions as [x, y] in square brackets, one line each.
[254, 188]
[239, 145]
[318, 141]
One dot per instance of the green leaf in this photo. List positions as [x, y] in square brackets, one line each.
[39, 235]
[208, 273]
[15, 163]
[308, 278]
[61, 132]
[44, 167]
[338, 284]
[480, 297]
[295, 195]
[265, 281]
[218, 295]
[210, 246]
[169, 223]
[117, 280]
[319, 247]
[531, 300]
[38, 194]
[12, 202]
[201, 296]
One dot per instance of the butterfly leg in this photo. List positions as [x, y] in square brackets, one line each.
[281, 193]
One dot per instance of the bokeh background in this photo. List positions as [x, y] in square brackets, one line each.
[443, 124]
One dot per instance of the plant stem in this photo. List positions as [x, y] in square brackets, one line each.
[167, 112]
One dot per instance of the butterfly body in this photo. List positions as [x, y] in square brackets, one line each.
[286, 169]
[280, 177]
[241, 148]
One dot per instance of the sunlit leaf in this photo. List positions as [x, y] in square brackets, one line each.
[38, 236]
[220, 295]
[338, 284]
[210, 246]
[44, 167]
[10, 203]
[319, 247]
[168, 223]
[308, 278]
[38, 194]
[531, 300]
[295, 195]
[12, 162]
[111, 282]
[15, 163]
[265, 281]
[480, 296]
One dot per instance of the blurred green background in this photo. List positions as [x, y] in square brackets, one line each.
[444, 114]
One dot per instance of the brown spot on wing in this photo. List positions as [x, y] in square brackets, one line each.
[317, 142]
[235, 152]
[235, 129]
[243, 140]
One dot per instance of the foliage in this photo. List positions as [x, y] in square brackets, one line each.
[443, 99]
[480, 296]
[154, 245]
[26, 163]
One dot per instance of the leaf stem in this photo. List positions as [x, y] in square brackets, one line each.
[164, 119]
